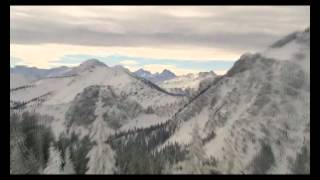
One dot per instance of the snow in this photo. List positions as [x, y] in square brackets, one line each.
[101, 156]
[80, 131]
[101, 160]
[283, 53]
[290, 50]
[183, 134]
[156, 77]
[17, 80]
[58, 112]
[187, 81]
[68, 167]
[100, 131]
[214, 147]
[248, 123]
[54, 162]
[100, 76]
[65, 89]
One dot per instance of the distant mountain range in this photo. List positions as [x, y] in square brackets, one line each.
[189, 82]
[156, 77]
[37, 72]
[22, 75]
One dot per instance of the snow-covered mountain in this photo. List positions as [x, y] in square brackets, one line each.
[189, 82]
[18, 80]
[143, 73]
[256, 118]
[67, 95]
[156, 77]
[253, 120]
[37, 72]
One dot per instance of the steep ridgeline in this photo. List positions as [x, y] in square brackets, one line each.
[259, 112]
[253, 120]
[74, 95]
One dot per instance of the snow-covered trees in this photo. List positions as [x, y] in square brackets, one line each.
[79, 148]
[118, 109]
[196, 155]
[136, 153]
[263, 160]
[29, 143]
[54, 163]
[68, 165]
[101, 159]
[101, 156]
[81, 111]
[99, 132]
[17, 162]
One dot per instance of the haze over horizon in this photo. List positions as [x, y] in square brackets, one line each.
[182, 39]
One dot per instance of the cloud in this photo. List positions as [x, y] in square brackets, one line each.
[44, 55]
[128, 62]
[150, 26]
[14, 61]
[48, 36]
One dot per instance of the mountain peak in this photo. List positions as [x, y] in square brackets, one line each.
[298, 36]
[167, 72]
[121, 68]
[92, 62]
[142, 71]
[202, 74]
[156, 77]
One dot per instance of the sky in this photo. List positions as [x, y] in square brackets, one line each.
[183, 39]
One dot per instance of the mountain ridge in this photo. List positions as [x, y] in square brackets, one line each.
[156, 77]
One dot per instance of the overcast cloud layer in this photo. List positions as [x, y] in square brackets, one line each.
[235, 29]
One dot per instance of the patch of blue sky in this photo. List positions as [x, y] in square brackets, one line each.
[112, 60]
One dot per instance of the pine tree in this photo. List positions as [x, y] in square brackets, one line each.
[196, 154]
[54, 163]
[101, 160]
[101, 156]
[68, 166]
[99, 131]
[32, 163]
[17, 163]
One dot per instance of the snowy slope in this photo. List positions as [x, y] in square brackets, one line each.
[189, 81]
[18, 80]
[259, 111]
[143, 73]
[62, 92]
[38, 73]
